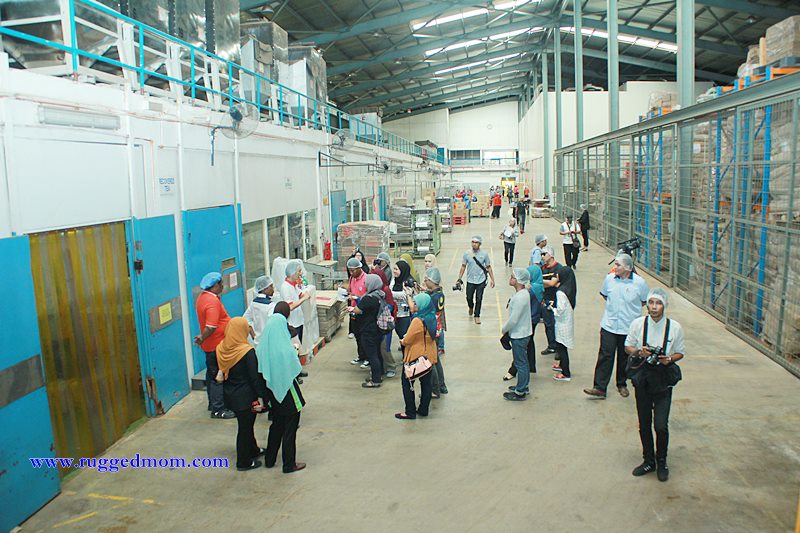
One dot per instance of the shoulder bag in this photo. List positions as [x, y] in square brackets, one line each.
[420, 366]
[385, 318]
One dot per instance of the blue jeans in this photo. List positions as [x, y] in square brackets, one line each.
[519, 348]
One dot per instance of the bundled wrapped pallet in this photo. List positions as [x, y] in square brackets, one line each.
[783, 39]
[662, 99]
[370, 236]
[774, 300]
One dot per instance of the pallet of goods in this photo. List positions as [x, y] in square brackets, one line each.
[330, 311]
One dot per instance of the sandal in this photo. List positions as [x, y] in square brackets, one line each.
[370, 385]
[403, 416]
[508, 377]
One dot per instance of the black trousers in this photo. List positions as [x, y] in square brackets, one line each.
[562, 354]
[549, 327]
[408, 395]
[283, 435]
[359, 346]
[496, 211]
[508, 251]
[531, 357]
[570, 255]
[475, 296]
[299, 330]
[216, 402]
[521, 220]
[585, 233]
[610, 343]
[372, 351]
[653, 410]
[246, 447]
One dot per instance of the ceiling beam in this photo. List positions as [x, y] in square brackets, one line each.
[704, 44]
[509, 84]
[429, 71]
[383, 21]
[466, 76]
[759, 10]
[472, 102]
[419, 49]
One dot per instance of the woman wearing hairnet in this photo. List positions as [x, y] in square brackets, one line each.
[292, 293]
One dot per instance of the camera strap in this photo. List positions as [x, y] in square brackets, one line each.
[666, 334]
[485, 272]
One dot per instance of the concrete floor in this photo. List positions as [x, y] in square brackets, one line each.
[558, 462]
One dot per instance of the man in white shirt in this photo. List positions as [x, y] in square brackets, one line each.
[509, 237]
[570, 231]
[651, 381]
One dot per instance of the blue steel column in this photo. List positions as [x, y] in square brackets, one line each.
[557, 54]
[578, 70]
[546, 117]
[613, 66]
[685, 52]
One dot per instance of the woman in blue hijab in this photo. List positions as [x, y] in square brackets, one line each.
[419, 341]
[279, 364]
[536, 291]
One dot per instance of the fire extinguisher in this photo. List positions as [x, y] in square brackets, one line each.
[327, 255]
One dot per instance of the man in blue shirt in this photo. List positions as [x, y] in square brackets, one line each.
[478, 267]
[536, 254]
[625, 294]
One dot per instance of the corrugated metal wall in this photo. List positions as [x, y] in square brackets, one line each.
[88, 336]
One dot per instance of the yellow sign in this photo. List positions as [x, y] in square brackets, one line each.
[165, 313]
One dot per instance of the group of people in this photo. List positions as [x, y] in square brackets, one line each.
[388, 299]
[253, 364]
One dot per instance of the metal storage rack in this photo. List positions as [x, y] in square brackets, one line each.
[426, 229]
[444, 206]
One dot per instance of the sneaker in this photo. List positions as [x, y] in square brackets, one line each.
[547, 351]
[351, 336]
[556, 367]
[435, 395]
[623, 391]
[644, 468]
[477, 320]
[365, 364]
[442, 389]
[596, 393]
[355, 361]
[513, 388]
[470, 311]
[561, 377]
[662, 471]
[514, 397]
[224, 414]
[255, 464]
[391, 374]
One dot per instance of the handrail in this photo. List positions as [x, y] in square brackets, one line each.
[315, 113]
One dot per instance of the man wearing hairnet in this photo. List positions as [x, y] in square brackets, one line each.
[261, 308]
[653, 389]
[625, 292]
[478, 266]
[213, 319]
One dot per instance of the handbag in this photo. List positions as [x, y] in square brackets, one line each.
[418, 368]
[505, 341]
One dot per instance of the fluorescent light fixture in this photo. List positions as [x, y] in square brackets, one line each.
[497, 37]
[477, 63]
[505, 6]
[624, 38]
[56, 116]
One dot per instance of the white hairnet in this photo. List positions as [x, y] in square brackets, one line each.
[434, 275]
[548, 250]
[292, 266]
[522, 275]
[262, 282]
[659, 294]
[625, 261]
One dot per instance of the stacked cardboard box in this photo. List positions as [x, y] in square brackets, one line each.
[783, 39]
[330, 312]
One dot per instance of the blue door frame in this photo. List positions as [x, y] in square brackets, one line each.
[157, 300]
[338, 201]
[212, 243]
[24, 410]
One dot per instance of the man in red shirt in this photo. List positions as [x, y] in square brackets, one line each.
[497, 201]
[213, 319]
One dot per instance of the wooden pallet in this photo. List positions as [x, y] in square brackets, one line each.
[459, 221]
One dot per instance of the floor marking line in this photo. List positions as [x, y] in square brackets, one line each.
[109, 497]
[76, 519]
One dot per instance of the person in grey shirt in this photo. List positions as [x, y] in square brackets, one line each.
[536, 254]
[509, 237]
[519, 329]
[478, 267]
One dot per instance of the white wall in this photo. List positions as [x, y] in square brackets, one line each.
[433, 126]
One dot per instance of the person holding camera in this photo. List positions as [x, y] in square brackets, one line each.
[402, 290]
[625, 293]
[478, 267]
[550, 271]
[655, 344]
[572, 245]
[509, 237]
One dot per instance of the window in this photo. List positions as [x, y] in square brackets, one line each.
[255, 264]
[311, 233]
[277, 238]
[295, 235]
[500, 157]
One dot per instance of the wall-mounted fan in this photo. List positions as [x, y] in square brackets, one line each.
[343, 138]
[239, 122]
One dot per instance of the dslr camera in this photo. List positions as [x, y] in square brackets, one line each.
[655, 353]
[410, 283]
[629, 246]
[458, 286]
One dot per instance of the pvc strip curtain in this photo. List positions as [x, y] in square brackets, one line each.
[88, 336]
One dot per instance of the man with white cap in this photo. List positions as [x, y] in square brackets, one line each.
[625, 292]
[519, 329]
[213, 319]
[478, 266]
[540, 240]
[583, 222]
[652, 381]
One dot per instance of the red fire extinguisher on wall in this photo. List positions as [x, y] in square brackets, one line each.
[327, 255]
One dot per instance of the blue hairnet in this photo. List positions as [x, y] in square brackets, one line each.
[210, 279]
